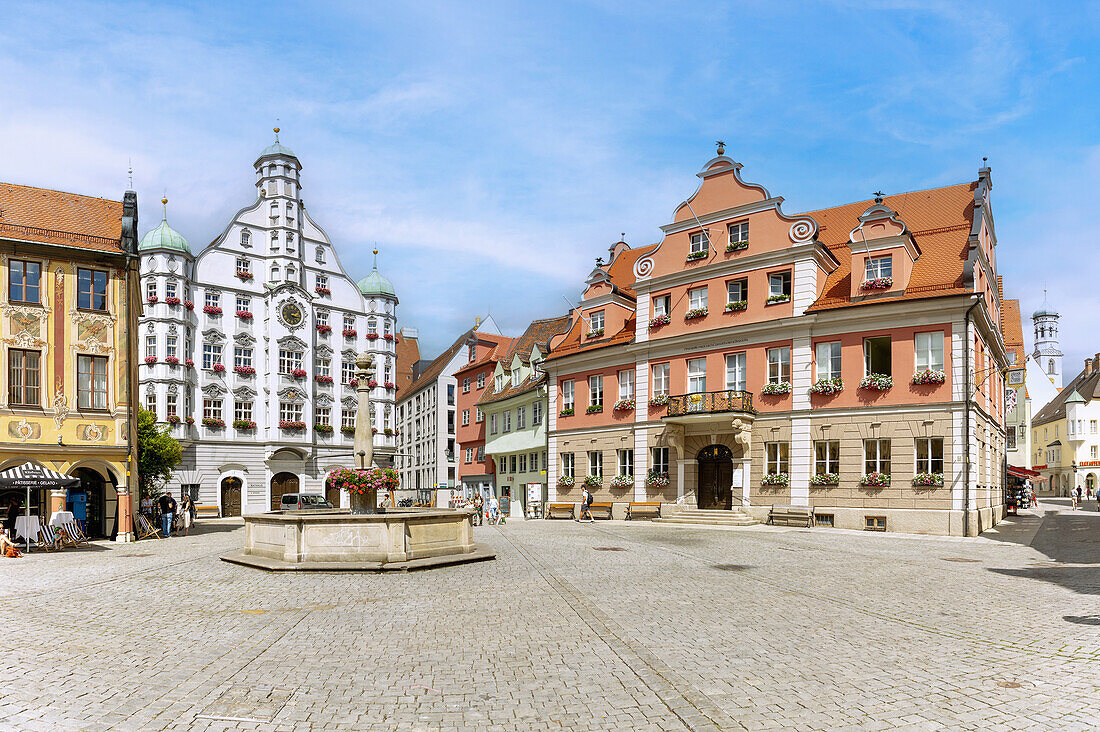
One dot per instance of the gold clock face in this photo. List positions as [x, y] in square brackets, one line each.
[292, 314]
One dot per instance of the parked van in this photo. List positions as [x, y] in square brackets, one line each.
[302, 502]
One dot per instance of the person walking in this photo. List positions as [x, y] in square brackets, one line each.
[494, 508]
[187, 514]
[479, 506]
[586, 502]
[12, 515]
[167, 513]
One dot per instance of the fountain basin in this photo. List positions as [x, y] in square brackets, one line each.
[334, 541]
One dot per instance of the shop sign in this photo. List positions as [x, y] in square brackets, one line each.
[1089, 463]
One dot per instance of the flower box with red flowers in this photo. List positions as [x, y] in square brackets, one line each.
[364, 481]
[152, 299]
[172, 361]
[659, 321]
[212, 309]
[213, 422]
[322, 290]
[150, 360]
[928, 479]
[388, 336]
[350, 332]
[659, 400]
[566, 481]
[298, 373]
[657, 479]
[875, 480]
[172, 301]
[695, 313]
[374, 430]
[347, 430]
[244, 424]
[190, 420]
[372, 336]
[878, 283]
[244, 315]
[929, 376]
[827, 387]
[324, 329]
[173, 419]
[324, 429]
[245, 370]
[189, 305]
[775, 479]
[353, 382]
[389, 385]
[189, 364]
[291, 424]
[242, 275]
[322, 379]
[624, 405]
[372, 383]
[218, 368]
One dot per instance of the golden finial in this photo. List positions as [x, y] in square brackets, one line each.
[164, 204]
[376, 251]
[477, 321]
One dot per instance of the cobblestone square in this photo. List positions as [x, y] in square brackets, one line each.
[611, 625]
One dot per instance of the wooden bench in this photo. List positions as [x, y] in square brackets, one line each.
[643, 510]
[601, 510]
[206, 511]
[560, 510]
[791, 516]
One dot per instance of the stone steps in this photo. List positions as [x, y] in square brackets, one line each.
[736, 517]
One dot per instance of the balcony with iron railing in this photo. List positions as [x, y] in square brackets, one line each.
[693, 407]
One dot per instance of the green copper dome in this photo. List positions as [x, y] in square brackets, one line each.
[164, 237]
[277, 148]
[376, 284]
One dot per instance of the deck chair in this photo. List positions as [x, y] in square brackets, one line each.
[48, 539]
[75, 535]
[145, 529]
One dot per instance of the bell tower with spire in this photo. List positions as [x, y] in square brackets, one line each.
[1047, 352]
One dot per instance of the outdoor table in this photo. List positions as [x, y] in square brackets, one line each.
[27, 527]
[60, 518]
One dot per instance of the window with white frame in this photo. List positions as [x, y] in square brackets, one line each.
[876, 355]
[289, 212]
[349, 322]
[289, 361]
[739, 232]
[290, 241]
[481, 453]
[151, 346]
[596, 321]
[595, 390]
[170, 289]
[469, 454]
[244, 267]
[347, 419]
[275, 272]
[242, 410]
[385, 327]
[321, 282]
[372, 325]
[626, 462]
[242, 357]
[506, 420]
[929, 350]
[533, 461]
[170, 346]
[481, 380]
[171, 405]
[290, 412]
[151, 288]
[929, 455]
[595, 463]
[324, 366]
[212, 408]
[322, 317]
[466, 385]
[246, 239]
[828, 360]
[777, 457]
[660, 459]
[479, 416]
[291, 273]
[735, 371]
[662, 305]
[213, 299]
[696, 375]
[737, 290]
[492, 424]
[498, 383]
[877, 267]
[465, 417]
[211, 355]
[568, 466]
[626, 384]
[1092, 452]
[244, 304]
[512, 463]
[536, 414]
[697, 298]
[320, 255]
[347, 372]
[779, 284]
[522, 463]
[274, 240]
[521, 418]
[1092, 426]
[699, 242]
[567, 394]
[515, 378]
[322, 416]
[827, 457]
[779, 365]
[660, 378]
[151, 402]
[876, 455]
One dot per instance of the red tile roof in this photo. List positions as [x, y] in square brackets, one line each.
[55, 217]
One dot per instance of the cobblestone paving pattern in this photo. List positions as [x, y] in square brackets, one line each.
[666, 628]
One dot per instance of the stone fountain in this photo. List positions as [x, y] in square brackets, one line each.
[366, 539]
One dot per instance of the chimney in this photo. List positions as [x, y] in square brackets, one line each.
[1088, 366]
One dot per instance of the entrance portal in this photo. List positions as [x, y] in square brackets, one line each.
[715, 478]
[282, 483]
[95, 502]
[231, 497]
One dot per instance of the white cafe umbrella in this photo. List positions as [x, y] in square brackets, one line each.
[29, 475]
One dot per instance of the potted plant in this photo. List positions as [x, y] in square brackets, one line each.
[244, 424]
[773, 299]
[929, 376]
[363, 486]
[658, 400]
[244, 275]
[827, 387]
[218, 368]
[775, 479]
[928, 479]
[324, 329]
[878, 283]
[172, 360]
[695, 313]
[660, 320]
[567, 412]
[322, 379]
[189, 305]
[388, 336]
[876, 382]
[693, 256]
[324, 429]
[624, 405]
[657, 479]
[244, 315]
[152, 300]
[734, 246]
[735, 305]
[775, 388]
[875, 480]
[173, 301]
[190, 420]
[371, 383]
[389, 385]
[298, 373]
[213, 422]
[212, 309]
[245, 370]
[622, 482]
[388, 432]
[189, 363]
[353, 382]
[322, 290]
[173, 419]
[592, 481]
[566, 481]
[825, 479]
[594, 409]
[347, 429]
[150, 360]
[350, 332]
[372, 336]
[291, 424]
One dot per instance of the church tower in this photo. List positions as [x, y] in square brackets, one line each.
[1047, 353]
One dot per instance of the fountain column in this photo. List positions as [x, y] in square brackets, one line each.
[364, 437]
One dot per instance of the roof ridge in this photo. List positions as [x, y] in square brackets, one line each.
[55, 190]
[870, 201]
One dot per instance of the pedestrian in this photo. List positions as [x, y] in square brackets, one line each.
[586, 502]
[167, 513]
[479, 506]
[147, 506]
[187, 514]
[1073, 498]
[13, 513]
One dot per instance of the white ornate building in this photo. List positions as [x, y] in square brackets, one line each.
[249, 349]
[1047, 352]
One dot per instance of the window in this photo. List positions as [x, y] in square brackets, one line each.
[275, 273]
[349, 322]
[347, 372]
[1050, 367]
[779, 365]
[626, 384]
[91, 382]
[521, 418]
[1010, 437]
[567, 392]
[291, 273]
[322, 317]
[874, 523]
[779, 285]
[737, 290]
[503, 465]
[322, 415]
[480, 453]
[523, 463]
[347, 419]
[498, 383]
[828, 360]
[595, 390]
[515, 378]
[879, 267]
[466, 385]
[568, 466]
[91, 289]
[213, 300]
[481, 381]
[876, 355]
[24, 378]
[777, 457]
[290, 412]
[929, 454]
[506, 421]
[739, 232]
[533, 462]
[372, 325]
[596, 321]
[1092, 452]
[877, 456]
[289, 361]
[274, 212]
[244, 304]
[171, 405]
[169, 289]
[321, 282]
[662, 305]
[1092, 426]
[697, 298]
[660, 378]
[244, 267]
[212, 408]
[323, 366]
[479, 416]
[511, 463]
[450, 420]
[242, 410]
[827, 457]
[595, 463]
[660, 459]
[211, 355]
[626, 462]
[536, 414]
[274, 245]
[469, 454]
[699, 242]
[492, 424]
[151, 289]
[151, 346]
[23, 281]
[929, 351]
[735, 371]
[246, 239]
[450, 395]
[697, 375]
[151, 402]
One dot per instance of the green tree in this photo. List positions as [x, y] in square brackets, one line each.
[158, 454]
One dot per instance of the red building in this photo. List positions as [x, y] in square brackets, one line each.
[476, 471]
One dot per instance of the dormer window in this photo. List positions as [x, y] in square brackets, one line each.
[700, 245]
[515, 378]
[596, 323]
[320, 255]
[879, 267]
[499, 383]
[246, 239]
[739, 236]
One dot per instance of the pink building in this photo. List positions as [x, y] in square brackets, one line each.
[849, 360]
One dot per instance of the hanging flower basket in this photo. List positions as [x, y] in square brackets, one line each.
[659, 400]
[244, 370]
[695, 313]
[566, 412]
[594, 409]
[362, 482]
[298, 373]
[657, 479]
[733, 307]
[875, 480]
[244, 315]
[372, 336]
[172, 361]
[322, 379]
[566, 481]
[322, 290]
[825, 479]
[928, 479]
[150, 360]
[218, 368]
[659, 321]
[244, 276]
[773, 299]
[878, 283]
[324, 329]
[173, 419]
[775, 479]
[189, 305]
[152, 300]
[350, 332]
[212, 309]
[592, 481]
[782, 387]
[621, 482]
[692, 256]
[324, 429]
[624, 405]
[876, 382]
[291, 424]
[929, 376]
[172, 301]
[213, 422]
[827, 387]
[735, 246]
[244, 424]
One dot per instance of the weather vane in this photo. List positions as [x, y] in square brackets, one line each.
[721, 147]
[878, 196]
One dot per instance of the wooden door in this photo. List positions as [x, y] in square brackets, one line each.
[715, 478]
[282, 483]
[231, 497]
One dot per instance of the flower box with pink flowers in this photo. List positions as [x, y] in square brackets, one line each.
[389, 385]
[172, 301]
[372, 336]
[322, 290]
[324, 329]
[172, 361]
[659, 320]
[322, 379]
[245, 370]
[353, 382]
[189, 364]
[298, 373]
[212, 309]
[152, 300]
[877, 283]
[388, 336]
[350, 332]
[929, 377]
[372, 383]
[189, 305]
[695, 313]
[291, 424]
[243, 275]
[219, 368]
[213, 422]
[150, 360]
[173, 419]
[244, 315]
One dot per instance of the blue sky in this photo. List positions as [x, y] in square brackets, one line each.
[493, 150]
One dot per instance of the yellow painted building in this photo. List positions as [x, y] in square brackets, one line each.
[68, 307]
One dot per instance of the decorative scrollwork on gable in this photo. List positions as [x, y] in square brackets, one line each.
[173, 389]
[350, 402]
[322, 400]
[323, 351]
[348, 354]
[292, 395]
[213, 388]
[292, 343]
[244, 338]
[244, 392]
[212, 335]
